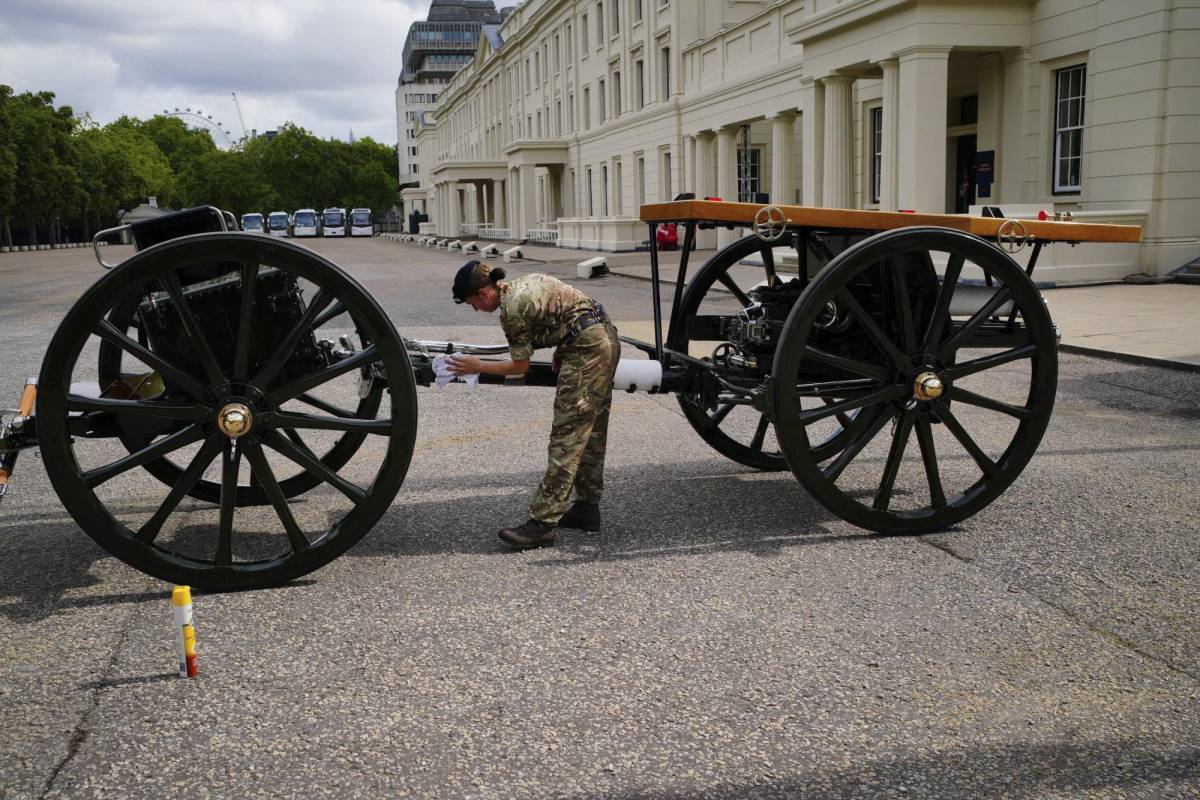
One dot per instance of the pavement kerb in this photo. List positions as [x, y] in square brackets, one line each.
[1130, 358]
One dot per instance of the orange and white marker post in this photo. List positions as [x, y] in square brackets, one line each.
[185, 629]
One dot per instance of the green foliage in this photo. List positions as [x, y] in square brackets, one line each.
[59, 172]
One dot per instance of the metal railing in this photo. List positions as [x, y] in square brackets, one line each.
[492, 232]
[470, 228]
[427, 228]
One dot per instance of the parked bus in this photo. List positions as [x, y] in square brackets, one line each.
[334, 220]
[279, 223]
[306, 222]
[253, 223]
[360, 222]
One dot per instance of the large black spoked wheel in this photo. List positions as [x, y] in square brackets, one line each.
[711, 326]
[968, 368]
[224, 380]
[118, 371]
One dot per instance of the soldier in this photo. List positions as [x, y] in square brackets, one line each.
[541, 311]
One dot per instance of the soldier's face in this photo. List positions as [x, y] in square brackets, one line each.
[486, 299]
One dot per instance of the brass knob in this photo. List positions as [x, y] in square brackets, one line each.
[927, 386]
[235, 420]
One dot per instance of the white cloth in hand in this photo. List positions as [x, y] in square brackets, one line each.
[443, 374]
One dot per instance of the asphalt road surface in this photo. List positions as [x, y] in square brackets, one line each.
[723, 636]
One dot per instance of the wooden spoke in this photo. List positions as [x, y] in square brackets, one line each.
[908, 330]
[105, 330]
[868, 323]
[328, 408]
[760, 433]
[721, 413]
[231, 461]
[941, 310]
[266, 478]
[884, 395]
[290, 451]
[140, 408]
[895, 455]
[970, 398]
[978, 318]
[287, 419]
[359, 359]
[962, 370]
[167, 444]
[882, 374]
[285, 350]
[241, 354]
[864, 429]
[736, 290]
[937, 497]
[335, 311]
[187, 479]
[216, 376]
[952, 424]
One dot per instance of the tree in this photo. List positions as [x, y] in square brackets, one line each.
[8, 164]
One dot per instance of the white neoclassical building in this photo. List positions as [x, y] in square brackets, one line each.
[579, 111]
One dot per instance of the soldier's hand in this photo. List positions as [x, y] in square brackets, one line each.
[465, 365]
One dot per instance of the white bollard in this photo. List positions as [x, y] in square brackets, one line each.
[455, 245]
[490, 250]
[471, 247]
[513, 255]
[592, 267]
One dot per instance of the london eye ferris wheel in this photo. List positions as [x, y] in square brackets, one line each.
[195, 118]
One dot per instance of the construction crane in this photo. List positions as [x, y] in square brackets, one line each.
[239, 110]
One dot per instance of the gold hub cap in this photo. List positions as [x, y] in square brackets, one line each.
[927, 386]
[235, 420]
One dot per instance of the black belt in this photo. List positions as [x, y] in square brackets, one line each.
[596, 316]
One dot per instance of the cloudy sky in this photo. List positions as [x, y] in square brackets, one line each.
[327, 66]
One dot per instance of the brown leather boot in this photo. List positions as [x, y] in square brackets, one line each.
[582, 517]
[531, 533]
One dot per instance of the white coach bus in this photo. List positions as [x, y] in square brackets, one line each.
[306, 222]
[334, 221]
[279, 223]
[361, 223]
[253, 223]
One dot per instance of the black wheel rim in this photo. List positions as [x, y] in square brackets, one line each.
[252, 369]
[994, 356]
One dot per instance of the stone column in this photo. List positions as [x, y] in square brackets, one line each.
[689, 165]
[454, 219]
[1010, 160]
[839, 141]
[705, 182]
[989, 130]
[527, 200]
[727, 140]
[783, 157]
[812, 142]
[500, 217]
[921, 171]
[891, 130]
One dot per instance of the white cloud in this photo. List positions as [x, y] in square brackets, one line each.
[326, 66]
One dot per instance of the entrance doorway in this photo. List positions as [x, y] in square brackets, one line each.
[963, 187]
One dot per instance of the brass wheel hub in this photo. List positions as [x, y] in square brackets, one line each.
[927, 386]
[235, 420]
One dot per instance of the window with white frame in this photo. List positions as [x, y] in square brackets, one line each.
[591, 206]
[604, 187]
[639, 69]
[1069, 93]
[637, 10]
[876, 139]
[616, 104]
[600, 99]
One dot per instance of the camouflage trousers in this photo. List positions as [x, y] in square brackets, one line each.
[580, 430]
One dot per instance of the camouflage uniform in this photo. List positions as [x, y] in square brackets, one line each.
[540, 311]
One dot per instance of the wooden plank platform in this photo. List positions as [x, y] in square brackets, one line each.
[719, 212]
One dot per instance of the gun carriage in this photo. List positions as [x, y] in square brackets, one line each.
[258, 378]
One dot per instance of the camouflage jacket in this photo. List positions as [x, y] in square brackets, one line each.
[538, 311]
